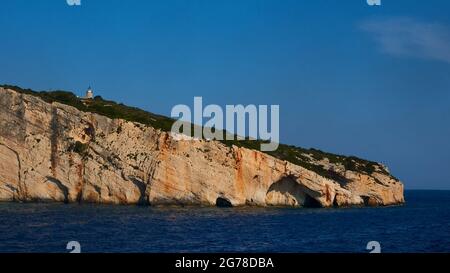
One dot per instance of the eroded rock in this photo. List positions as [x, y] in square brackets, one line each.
[54, 152]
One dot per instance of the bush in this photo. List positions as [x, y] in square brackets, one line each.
[113, 110]
[80, 148]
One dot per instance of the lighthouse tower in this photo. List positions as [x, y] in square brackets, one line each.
[89, 94]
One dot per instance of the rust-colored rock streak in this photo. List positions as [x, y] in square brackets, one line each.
[128, 163]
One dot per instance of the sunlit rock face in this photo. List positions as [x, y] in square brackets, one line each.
[55, 153]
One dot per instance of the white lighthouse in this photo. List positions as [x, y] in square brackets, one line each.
[89, 94]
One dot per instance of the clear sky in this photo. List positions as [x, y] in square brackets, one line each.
[349, 78]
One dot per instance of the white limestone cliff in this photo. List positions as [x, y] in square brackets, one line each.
[54, 152]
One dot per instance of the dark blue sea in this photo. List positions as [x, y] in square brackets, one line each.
[422, 225]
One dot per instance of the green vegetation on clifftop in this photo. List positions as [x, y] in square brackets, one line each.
[308, 158]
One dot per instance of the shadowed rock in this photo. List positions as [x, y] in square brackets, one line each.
[122, 162]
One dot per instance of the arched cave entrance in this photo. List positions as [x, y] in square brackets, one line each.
[287, 192]
[223, 203]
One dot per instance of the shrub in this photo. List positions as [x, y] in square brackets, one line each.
[80, 148]
[113, 110]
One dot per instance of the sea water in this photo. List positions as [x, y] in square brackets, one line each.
[422, 225]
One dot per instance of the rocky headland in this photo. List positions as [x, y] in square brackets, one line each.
[66, 152]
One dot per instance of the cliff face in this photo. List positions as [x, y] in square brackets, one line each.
[54, 152]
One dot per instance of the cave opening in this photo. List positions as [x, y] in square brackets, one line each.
[311, 202]
[223, 203]
[288, 192]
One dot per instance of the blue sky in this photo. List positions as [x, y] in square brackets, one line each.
[349, 78]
